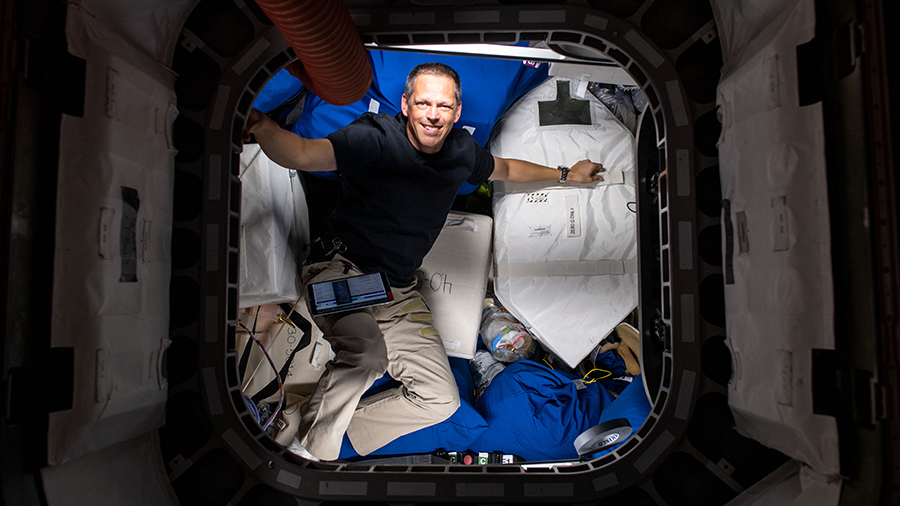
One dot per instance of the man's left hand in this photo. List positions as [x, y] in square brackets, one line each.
[585, 171]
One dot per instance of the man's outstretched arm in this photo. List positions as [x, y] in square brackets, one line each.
[519, 171]
[287, 148]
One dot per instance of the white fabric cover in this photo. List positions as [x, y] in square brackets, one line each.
[781, 303]
[581, 75]
[454, 279]
[792, 484]
[741, 24]
[274, 229]
[131, 472]
[570, 277]
[112, 265]
[149, 25]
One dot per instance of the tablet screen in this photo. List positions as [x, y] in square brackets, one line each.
[349, 293]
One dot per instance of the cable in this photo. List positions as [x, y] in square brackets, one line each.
[250, 163]
[628, 205]
[245, 354]
[252, 407]
[548, 363]
[271, 343]
[277, 376]
[294, 226]
[591, 380]
[288, 317]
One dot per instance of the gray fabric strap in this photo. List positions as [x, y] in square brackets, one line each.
[570, 268]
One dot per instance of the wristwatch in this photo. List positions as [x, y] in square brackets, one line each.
[563, 173]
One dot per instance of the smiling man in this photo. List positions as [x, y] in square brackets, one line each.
[399, 176]
[431, 104]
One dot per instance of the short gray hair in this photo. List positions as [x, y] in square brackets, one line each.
[436, 69]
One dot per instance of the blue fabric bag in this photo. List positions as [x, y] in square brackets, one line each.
[536, 412]
[319, 118]
[280, 88]
[457, 432]
[632, 404]
[611, 361]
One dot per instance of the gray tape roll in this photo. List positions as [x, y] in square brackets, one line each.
[600, 436]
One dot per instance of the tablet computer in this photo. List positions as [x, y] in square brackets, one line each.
[349, 293]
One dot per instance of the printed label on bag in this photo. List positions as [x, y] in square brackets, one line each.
[536, 198]
[107, 216]
[773, 95]
[573, 217]
[782, 239]
[743, 239]
[539, 230]
[131, 203]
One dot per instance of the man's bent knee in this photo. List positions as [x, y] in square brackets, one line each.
[444, 405]
[358, 341]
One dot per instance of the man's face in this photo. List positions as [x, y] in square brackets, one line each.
[431, 112]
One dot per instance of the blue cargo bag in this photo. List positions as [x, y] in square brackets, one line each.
[536, 412]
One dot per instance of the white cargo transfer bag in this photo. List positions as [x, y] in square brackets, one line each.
[274, 228]
[454, 278]
[566, 255]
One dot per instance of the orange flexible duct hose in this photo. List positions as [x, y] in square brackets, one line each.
[332, 59]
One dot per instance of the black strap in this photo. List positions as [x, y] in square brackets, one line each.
[296, 318]
[304, 325]
[245, 354]
[729, 242]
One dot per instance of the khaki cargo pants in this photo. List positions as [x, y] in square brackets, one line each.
[398, 338]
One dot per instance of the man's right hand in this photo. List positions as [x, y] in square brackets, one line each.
[255, 121]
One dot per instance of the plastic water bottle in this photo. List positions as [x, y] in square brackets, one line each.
[504, 336]
[484, 368]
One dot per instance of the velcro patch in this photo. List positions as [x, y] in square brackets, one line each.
[421, 317]
[429, 331]
[412, 306]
